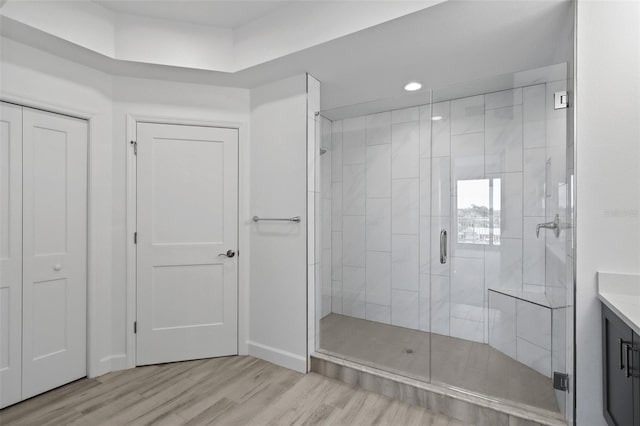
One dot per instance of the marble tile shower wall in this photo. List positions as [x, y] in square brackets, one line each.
[387, 208]
[325, 203]
[380, 169]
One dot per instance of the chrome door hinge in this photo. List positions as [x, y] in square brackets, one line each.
[135, 238]
[135, 327]
[561, 100]
[134, 144]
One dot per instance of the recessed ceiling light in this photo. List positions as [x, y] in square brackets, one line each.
[413, 86]
[436, 117]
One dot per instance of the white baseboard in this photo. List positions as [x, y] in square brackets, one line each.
[278, 356]
[119, 362]
[108, 364]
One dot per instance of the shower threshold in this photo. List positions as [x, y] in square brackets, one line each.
[460, 369]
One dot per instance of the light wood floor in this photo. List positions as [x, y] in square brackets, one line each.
[226, 391]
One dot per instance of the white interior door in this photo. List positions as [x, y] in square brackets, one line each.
[10, 253]
[187, 209]
[54, 250]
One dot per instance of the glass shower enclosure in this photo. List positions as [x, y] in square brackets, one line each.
[444, 237]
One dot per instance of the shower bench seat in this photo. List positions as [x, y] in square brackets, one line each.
[529, 328]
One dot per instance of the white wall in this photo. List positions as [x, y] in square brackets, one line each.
[279, 112]
[278, 293]
[608, 175]
[287, 29]
[158, 41]
[81, 22]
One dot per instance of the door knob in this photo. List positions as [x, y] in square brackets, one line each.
[57, 267]
[229, 253]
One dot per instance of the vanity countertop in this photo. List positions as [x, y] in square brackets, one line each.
[621, 294]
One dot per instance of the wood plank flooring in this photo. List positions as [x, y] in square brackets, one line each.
[225, 391]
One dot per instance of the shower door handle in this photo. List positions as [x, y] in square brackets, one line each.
[443, 246]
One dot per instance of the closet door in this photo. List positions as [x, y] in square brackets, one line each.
[54, 250]
[10, 252]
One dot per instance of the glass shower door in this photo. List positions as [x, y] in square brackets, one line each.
[372, 237]
[559, 250]
[499, 293]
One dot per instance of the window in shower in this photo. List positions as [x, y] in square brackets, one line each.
[478, 207]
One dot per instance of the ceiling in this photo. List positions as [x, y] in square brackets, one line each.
[231, 35]
[452, 42]
[216, 13]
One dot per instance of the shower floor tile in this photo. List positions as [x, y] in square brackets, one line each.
[461, 363]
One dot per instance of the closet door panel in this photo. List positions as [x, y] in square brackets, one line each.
[10, 253]
[54, 250]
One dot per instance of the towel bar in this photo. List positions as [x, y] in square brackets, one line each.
[286, 219]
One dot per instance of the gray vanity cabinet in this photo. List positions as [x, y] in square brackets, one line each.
[621, 371]
[636, 379]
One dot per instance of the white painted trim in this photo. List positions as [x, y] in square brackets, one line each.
[243, 225]
[56, 108]
[244, 228]
[94, 366]
[130, 226]
[279, 357]
[112, 363]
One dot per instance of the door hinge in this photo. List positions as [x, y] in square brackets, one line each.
[561, 100]
[135, 238]
[560, 381]
[134, 144]
[135, 327]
